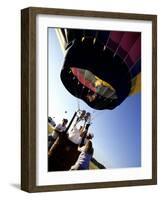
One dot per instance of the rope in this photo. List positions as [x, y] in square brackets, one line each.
[78, 104]
[77, 99]
[106, 42]
[114, 54]
[95, 38]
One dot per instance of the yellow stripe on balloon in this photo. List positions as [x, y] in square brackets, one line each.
[136, 85]
[102, 82]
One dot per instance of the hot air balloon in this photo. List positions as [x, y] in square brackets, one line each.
[101, 67]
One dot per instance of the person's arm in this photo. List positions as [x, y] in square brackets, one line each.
[58, 127]
[52, 148]
[81, 148]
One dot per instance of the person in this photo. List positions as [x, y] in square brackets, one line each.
[51, 121]
[84, 158]
[86, 137]
[91, 96]
[60, 128]
[81, 115]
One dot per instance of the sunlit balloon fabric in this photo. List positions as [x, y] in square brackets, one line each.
[102, 67]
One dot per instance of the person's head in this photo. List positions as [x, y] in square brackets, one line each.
[64, 122]
[89, 147]
[83, 133]
[83, 112]
[87, 116]
[89, 136]
[81, 128]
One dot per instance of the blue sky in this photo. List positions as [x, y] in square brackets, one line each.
[117, 133]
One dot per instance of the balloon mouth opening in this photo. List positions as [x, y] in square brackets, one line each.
[102, 80]
[97, 93]
[97, 88]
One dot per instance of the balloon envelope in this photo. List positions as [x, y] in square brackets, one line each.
[102, 67]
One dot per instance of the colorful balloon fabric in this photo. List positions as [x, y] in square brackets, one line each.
[102, 67]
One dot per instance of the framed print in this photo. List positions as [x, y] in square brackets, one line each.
[88, 99]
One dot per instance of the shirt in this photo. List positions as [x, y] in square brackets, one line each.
[84, 159]
[74, 136]
[59, 128]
